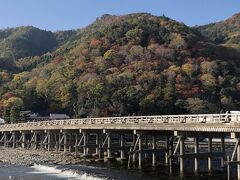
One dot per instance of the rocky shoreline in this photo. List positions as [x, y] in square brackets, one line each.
[27, 157]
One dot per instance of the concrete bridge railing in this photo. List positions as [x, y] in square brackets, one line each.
[169, 119]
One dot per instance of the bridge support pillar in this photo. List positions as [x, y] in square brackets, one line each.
[45, 141]
[97, 143]
[23, 140]
[182, 152]
[41, 140]
[60, 137]
[134, 154]
[35, 140]
[49, 141]
[70, 142]
[146, 146]
[84, 143]
[76, 145]
[5, 139]
[65, 142]
[223, 151]
[56, 141]
[210, 153]
[122, 139]
[140, 151]
[196, 150]
[109, 146]
[238, 159]
[154, 150]
[14, 139]
[88, 143]
[167, 150]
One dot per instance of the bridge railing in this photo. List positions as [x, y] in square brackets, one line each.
[165, 119]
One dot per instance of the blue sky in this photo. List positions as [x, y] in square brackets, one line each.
[71, 14]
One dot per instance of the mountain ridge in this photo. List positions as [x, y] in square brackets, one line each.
[225, 32]
[120, 65]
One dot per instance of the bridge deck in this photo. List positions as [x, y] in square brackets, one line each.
[199, 123]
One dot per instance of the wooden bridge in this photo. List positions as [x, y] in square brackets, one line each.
[129, 138]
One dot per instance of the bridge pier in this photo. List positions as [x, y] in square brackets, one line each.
[238, 158]
[23, 140]
[14, 139]
[65, 142]
[41, 140]
[56, 141]
[84, 143]
[210, 153]
[97, 144]
[87, 144]
[223, 151]
[45, 140]
[109, 155]
[5, 139]
[140, 150]
[122, 145]
[154, 150]
[134, 144]
[146, 146]
[236, 152]
[76, 145]
[59, 141]
[196, 150]
[49, 140]
[181, 153]
[35, 139]
[167, 153]
[70, 142]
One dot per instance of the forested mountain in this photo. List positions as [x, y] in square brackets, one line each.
[19, 43]
[122, 65]
[227, 32]
[26, 41]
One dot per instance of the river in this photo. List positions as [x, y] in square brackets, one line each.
[108, 171]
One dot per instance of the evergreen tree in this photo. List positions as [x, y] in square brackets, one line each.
[14, 114]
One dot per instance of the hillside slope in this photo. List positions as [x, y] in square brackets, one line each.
[122, 65]
[227, 32]
[26, 41]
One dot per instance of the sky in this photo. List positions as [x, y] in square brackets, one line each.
[72, 14]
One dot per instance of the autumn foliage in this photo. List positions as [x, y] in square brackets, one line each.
[123, 65]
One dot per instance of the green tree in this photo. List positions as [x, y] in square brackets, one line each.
[209, 82]
[170, 90]
[15, 114]
[196, 106]
[134, 36]
[177, 41]
[109, 55]
[188, 69]
[12, 107]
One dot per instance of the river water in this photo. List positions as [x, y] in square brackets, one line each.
[108, 171]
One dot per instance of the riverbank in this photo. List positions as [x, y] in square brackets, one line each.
[27, 157]
[28, 164]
